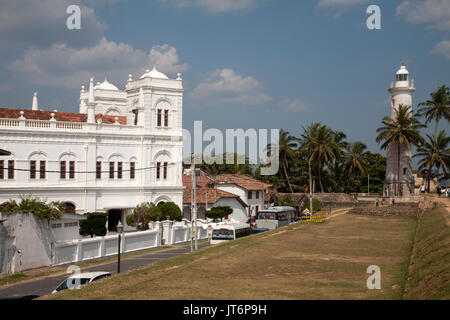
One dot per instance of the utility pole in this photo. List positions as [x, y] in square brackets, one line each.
[368, 183]
[192, 200]
[194, 203]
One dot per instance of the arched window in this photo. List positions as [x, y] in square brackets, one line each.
[69, 207]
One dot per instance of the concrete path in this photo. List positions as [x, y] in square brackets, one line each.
[45, 286]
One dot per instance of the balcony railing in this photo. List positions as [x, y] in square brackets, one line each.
[53, 125]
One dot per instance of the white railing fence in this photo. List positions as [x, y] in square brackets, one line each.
[64, 252]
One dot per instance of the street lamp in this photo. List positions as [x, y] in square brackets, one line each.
[119, 231]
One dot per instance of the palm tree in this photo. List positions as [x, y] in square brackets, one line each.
[404, 128]
[318, 141]
[435, 153]
[285, 147]
[355, 159]
[437, 108]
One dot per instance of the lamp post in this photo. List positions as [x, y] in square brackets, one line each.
[119, 231]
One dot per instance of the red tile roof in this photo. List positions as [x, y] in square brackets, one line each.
[59, 116]
[214, 195]
[202, 181]
[204, 193]
[243, 181]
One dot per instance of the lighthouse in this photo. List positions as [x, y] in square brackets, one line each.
[401, 94]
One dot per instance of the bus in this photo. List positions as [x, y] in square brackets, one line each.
[276, 217]
[230, 231]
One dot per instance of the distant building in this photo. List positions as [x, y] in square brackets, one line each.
[208, 198]
[422, 178]
[251, 191]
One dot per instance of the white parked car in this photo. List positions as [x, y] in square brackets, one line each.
[79, 279]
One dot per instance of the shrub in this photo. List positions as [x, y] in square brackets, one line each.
[143, 214]
[316, 205]
[94, 225]
[53, 210]
[219, 212]
[285, 200]
[171, 210]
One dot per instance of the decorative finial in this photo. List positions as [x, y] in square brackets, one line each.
[117, 120]
[130, 77]
[35, 106]
[53, 117]
[179, 76]
[82, 88]
[21, 115]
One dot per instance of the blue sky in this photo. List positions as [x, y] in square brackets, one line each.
[245, 63]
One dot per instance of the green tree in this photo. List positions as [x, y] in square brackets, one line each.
[404, 128]
[94, 225]
[285, 148]
[319, 143]
[435, 153]
[436, 108]
[171, 210]
[355, 160]
[143, 214]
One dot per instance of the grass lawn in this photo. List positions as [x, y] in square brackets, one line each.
[303, 261]
[429, 276]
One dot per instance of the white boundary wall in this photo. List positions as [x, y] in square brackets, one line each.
[65, 252]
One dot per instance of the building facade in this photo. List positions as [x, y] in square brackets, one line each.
[399, 180]
[122, 148]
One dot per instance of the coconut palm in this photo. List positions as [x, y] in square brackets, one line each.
[435, 153]
[437, 108]
[285, 147]
[318, 142]
[404, 128]
[355, 160]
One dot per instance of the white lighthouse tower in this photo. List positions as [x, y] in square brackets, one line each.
[401, 92]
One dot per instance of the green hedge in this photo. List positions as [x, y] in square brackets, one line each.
[94, 225]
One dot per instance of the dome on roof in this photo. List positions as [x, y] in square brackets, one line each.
[106, 86]
[154, 74]
[402, 70]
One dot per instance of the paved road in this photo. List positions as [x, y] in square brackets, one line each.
[46, 285]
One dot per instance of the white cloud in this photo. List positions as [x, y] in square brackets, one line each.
[216, 6]
[63, 66]
[225, 86]
[43, 23]
[442, 49]
[294, 105]
[434, 13]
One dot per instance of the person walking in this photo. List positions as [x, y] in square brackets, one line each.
[439, 190]
[422, 189]
[383, 201]
[377, 201]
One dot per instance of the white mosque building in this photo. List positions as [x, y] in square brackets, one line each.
[401, 94]
[122, 148]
